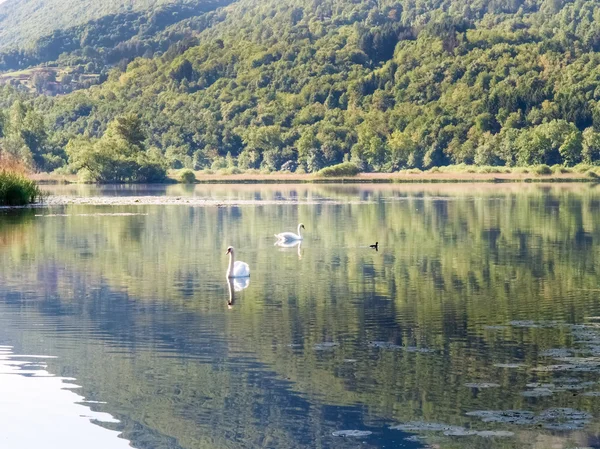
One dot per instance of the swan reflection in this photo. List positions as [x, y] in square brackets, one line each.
[291, 244]
[236, 285]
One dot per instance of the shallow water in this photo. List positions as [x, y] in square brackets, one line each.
[475, 324]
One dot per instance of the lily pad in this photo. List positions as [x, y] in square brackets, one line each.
[384, 345]
[482, 385]
[521, 417]
[325, 346]
[557, 352]
[509, 365]
[451, 431]
[553, 419]
[537, 393]
[421, 350]
[352, 433]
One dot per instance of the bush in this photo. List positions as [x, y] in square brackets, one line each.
[582, 168]
[343, 169]
[230, 171]
[542, 169]
[187, 177]
[592, 174]
[16, 189]
[520, 170]
[558, 169]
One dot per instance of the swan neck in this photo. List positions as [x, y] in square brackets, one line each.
[299, 230]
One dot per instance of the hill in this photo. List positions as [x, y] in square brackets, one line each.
[113, 38]
[387, 84]
[23, 21]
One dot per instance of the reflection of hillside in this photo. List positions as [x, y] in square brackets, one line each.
[446, 268]
[15, 225]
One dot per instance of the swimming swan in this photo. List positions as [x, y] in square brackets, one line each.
[236, 268]
[289, 236]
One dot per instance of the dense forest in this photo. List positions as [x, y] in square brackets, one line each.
[24, 21]
[304, 84]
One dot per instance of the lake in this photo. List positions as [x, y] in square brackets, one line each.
[475, 325]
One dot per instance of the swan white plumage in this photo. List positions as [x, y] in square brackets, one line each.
[236, 269]
[290, 236]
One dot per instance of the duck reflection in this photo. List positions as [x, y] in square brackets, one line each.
[291, 244]
[236, 285]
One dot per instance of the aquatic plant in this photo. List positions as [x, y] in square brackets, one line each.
[15, 188]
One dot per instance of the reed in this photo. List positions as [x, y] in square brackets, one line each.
[16, 189]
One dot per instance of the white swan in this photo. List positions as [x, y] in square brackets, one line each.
[290, 236]
[236, 268]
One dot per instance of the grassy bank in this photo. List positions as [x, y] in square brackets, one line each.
[16, 189]
[449, 174]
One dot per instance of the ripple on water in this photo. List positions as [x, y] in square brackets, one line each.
[394, 347]
[325, 346]
[33, 398]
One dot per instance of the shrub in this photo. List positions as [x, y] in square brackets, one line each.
[16, 189]
[558, 169]
[489, 169]
[542, 169]
[187, 177]
[343, 169]
[230, 171]
[582, 168]
[592, 174]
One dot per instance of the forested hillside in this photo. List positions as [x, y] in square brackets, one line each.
[23, 21]
[112, 39]
[387, 84]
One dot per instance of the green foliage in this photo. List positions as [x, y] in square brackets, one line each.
[187, 177]
[592, 174]
[387, 85]
[343, 169]
[119, 156]
[542, 169]
[16, 189]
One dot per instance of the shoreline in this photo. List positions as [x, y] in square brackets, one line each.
[362, 178]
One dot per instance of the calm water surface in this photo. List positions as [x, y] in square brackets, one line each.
[475, 325]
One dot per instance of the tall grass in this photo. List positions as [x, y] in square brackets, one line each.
[16, 189]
